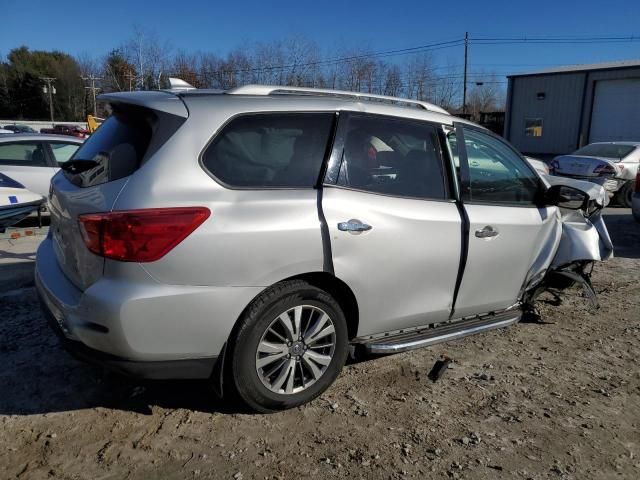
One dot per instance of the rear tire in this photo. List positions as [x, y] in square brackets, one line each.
[625, 194]
[289, 347]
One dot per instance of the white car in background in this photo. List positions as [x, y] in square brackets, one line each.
[541, 167]
[32, 158]
[613, 165]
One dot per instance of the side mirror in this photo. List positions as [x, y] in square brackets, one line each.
[564, 196]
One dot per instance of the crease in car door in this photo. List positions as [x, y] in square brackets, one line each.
[394, 231]
[507, 228]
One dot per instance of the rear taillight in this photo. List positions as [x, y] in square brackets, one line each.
[604, 169]
[139, 235]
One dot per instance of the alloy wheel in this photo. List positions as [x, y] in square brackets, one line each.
[295, 349]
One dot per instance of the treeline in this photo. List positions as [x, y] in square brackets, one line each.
[145, 63]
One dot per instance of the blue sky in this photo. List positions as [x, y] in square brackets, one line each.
[194, 25]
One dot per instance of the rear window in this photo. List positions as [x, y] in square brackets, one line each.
[114, 151]
[270, 150]
[606, 150]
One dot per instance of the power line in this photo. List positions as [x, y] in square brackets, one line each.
[338, 60]
[432, 47]
[555, 40]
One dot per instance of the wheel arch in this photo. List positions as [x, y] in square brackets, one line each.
[331, 284]
[340, 291]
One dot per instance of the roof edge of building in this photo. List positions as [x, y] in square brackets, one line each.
[579, 68]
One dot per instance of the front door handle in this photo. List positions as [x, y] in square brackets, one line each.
[353, 226]
[487, 232]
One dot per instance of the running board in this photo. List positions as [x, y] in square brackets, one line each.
[450, 331]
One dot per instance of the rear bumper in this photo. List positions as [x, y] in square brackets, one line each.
[169, 369]
[130, 323]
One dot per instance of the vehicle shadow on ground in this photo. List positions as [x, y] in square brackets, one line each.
[38, 376]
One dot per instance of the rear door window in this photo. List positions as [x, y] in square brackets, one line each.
[23, 153]
[393, 157]
[62, 152]
[114, 151]
[270, 150]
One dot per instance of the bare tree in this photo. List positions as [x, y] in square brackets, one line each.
[150, 57]
[485, 95]
[447, 88]
[419, 76]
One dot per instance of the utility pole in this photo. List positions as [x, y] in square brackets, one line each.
[93, 89]
[130, 76]
[464, 87]
[51, 90]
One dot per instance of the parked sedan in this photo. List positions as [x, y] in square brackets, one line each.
[70, 130]
[613, 165]
[32, 159]
[19, 128]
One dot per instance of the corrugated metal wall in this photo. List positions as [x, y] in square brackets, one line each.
[559, 110]
[565, 110]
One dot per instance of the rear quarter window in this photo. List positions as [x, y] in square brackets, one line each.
[270, 150]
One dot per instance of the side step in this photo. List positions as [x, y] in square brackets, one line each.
[453, 330]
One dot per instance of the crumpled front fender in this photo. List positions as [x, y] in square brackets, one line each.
[583, 239]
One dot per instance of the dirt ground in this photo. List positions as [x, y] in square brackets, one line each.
[559, 399]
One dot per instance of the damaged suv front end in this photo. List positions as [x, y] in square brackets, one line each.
[582, 239]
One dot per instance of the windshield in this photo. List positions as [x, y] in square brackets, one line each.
[606, 150]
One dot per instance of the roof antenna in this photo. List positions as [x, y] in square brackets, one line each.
[179, 84]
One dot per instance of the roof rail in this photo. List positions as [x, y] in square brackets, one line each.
[274, 89]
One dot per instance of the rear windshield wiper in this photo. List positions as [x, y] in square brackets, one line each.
[78, 166]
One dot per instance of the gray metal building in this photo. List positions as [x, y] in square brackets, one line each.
[555, 111]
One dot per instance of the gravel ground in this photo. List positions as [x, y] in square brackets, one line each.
[557, 399]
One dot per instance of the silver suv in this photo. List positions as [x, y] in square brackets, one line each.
[257, 237]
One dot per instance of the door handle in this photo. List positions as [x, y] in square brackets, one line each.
[354, 226]
[487, 232]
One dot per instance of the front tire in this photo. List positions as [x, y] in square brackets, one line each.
[289, 347]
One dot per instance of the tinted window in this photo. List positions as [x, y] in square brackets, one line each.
[497, 173]
[392, 157]
[24, 153]
[114, 151]
[606, 150]
[63, 151]
[270, 150]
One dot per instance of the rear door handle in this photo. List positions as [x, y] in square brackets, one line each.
[487, 232]
[353, 226]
